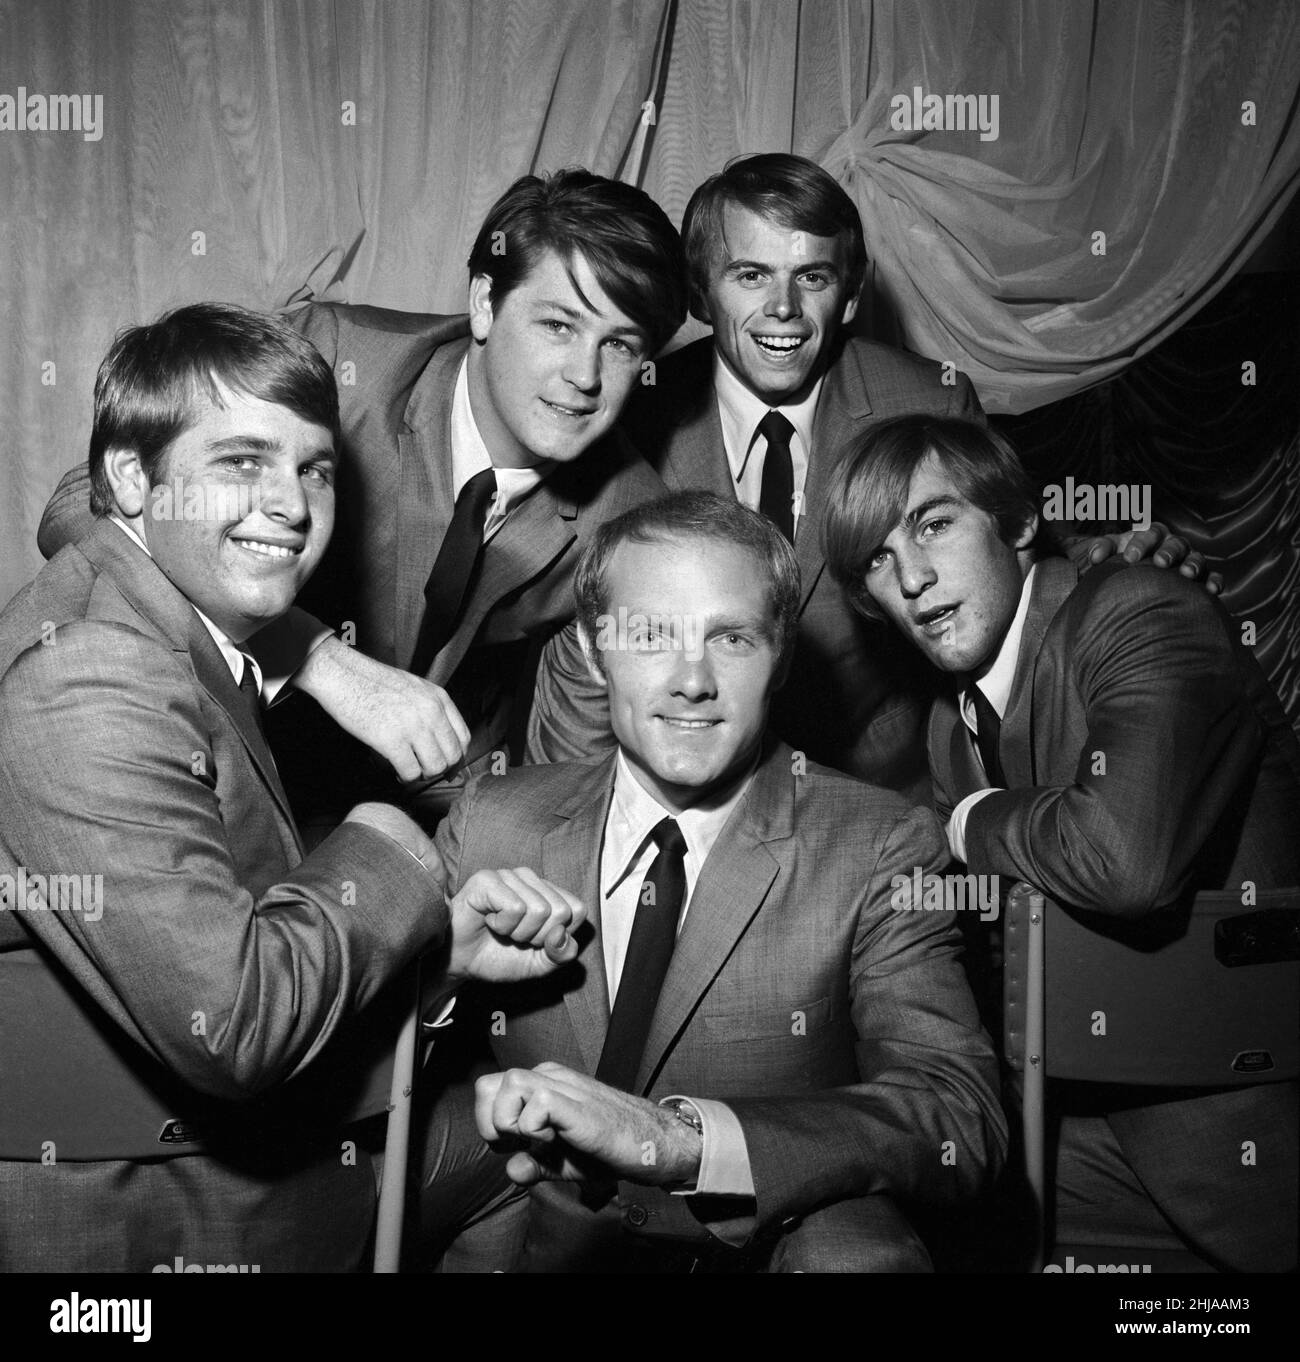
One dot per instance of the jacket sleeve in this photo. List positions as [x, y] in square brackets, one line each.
[67, 515]
[108, 767]
[1170, 735]
[569, 718]
[925, 1122]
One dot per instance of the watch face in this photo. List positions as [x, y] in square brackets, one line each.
[687, 1113]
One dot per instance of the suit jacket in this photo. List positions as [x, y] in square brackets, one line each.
[855, 699]
[224, 961]
[1200, 790]
[840, 1029]
[397, 373]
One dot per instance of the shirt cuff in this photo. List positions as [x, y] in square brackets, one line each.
[724, 1157]
[956, 828]
[282, 647]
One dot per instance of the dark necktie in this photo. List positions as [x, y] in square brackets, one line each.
[776, 499]
[453, 569]
[248, 689]
[649, 949]
[988, 732]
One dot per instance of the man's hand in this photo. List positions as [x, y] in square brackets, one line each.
[577, 1129]
[409, 721]
[1155, 545]
[508, 925]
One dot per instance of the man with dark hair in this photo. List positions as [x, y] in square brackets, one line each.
[760, 411]
[932, 525]
[769, 1054]
[185, 998]
[479, 453]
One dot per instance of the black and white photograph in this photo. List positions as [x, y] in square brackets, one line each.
[649, 637]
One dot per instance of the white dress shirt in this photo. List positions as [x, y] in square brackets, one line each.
[469, 455]
[627, 852]
[995, 685]
[740, 413]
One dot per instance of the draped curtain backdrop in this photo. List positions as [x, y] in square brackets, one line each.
[259, 152]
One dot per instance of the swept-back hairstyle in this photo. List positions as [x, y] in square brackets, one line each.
[867, 494]
[790, 191]
[619, 230]
[693, 515]
[149, 386]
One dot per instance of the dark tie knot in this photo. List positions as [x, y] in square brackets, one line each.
[477, 496]
[776, 430]
[667, 836]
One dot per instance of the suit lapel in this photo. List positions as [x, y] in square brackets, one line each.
[697, 457]
[841, 408]
[150, 592]
[967, 773]
[571, 858]
[1054, 579]
[732, 887]
[425, 497]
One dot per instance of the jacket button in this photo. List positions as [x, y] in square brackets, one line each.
[637, 1216]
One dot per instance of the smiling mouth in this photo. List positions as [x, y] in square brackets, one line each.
[779, 346]
[263, 549]
[573, 413]
[688, 723]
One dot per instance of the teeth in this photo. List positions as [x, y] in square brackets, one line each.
[782, 343]
[690, 723]
[268, 550]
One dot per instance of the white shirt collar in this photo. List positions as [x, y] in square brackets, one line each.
[469, 455]
[740, 412]
[235, 660]
[634, 812]
[996, 682]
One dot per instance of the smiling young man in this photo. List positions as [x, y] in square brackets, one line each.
[758, 1060]
[1110, 741]
[479, 452]
[175, 1056]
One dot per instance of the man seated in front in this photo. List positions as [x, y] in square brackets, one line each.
[762, 1057]
[225, 970]
[1109, 740]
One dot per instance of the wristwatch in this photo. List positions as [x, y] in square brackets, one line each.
[685, 1112]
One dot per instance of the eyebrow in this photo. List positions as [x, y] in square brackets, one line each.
[918, 513]
[567, 310]
[735, 266]
[258, 442]
[261, 445]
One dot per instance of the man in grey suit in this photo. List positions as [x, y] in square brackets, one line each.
[1112, 742]
[222, 978]
[763, 1057]
[479, 453]
[761, 410]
